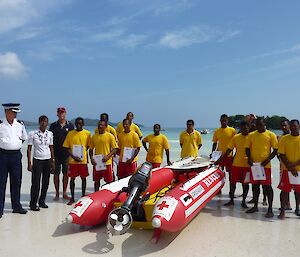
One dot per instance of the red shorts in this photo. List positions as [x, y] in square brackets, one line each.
[227, 163]
[238, 174]
[155, 165]
[76, 170]
[107, 175]
[284, 184]
[267, 181]
[126, 169]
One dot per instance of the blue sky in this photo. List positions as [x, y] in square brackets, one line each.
[165, 60]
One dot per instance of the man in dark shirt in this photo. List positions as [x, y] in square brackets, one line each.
[60, 130]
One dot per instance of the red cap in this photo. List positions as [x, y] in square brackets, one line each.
[61, 109]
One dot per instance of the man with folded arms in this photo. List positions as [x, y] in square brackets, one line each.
[261, 148]
[289, 153]
[103, 145]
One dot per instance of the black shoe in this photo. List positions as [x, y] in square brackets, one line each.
[20, 211]
[244, 205]
[34, 208]
[230, 203]
[1, 216]
[251, 201]
[252, 210]
[43, 205]
[297, 212]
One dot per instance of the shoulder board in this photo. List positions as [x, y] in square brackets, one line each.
[21, 122]
[1, 121]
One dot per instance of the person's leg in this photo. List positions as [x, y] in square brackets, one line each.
[56, 178]
[256, 192]
[288, 205]
[231, 194]
[45, 182]
[245, 193]
[270, 195]
[35, 184]
[252, 200]
[72, 189]
[297, 200]
[96, 185]
[15, 177]
[83, 187]
[265, 194]
[65, 178]
[3, 180]
[283, 203]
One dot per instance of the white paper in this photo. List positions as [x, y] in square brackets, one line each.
[100, 165]
[215, 156]
[128, 153]
[258, 172]
[77, 151]
[294, 180]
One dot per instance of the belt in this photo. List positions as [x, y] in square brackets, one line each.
[9, 151]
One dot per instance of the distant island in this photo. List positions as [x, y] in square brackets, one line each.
[87, 121]
[273, 122]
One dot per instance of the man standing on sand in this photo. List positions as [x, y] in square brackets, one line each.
[129, 147]
[240, 167]
[60, 129]
[133, 126]
[77, 143]
[102, 145]
[157, 144]
[261, 148]
[222, 137]
[190, 141]
[12, 136]
[289, 153]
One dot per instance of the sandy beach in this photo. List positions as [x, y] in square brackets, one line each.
[216, 231]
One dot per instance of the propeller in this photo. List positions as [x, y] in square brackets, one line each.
[119, 221]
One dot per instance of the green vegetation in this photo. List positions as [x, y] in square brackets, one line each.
[94, 123]
[272, 122]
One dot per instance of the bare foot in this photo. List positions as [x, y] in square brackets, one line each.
[244, 205]
[230, 203]
[269, 214]
[264, 203]
[252, 210]
[281, 216]
[56, 198]
[71, 202]
[66, 197]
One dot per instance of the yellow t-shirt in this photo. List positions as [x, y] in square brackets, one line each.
[290, 146]
[103, 144]
[133, 127]
[261, 144]
[131, 140]
[190, 143]
[239, 143]
[108, 129]
[75, 137]
[157, 145]
[222, 136]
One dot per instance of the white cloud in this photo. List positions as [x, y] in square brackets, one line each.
[195, 35]
[108, 35]
[17, 13]
[172, 6]
[11, 66]
[131, 41]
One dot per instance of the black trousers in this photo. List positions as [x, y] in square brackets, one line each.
[41, 169]
[10, 163]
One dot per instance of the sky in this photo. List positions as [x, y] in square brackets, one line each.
[165, 60]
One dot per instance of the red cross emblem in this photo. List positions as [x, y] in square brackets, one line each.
[162, 205]
[79, 204]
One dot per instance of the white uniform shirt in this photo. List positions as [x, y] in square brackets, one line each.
[41, 142]
[12, 135]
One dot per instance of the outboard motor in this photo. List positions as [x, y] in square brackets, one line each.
[120, 219]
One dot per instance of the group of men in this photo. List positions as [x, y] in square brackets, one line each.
[66, 148]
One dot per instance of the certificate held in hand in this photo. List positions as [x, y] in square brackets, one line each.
[77, 151]
[258, 172]
[294, 180]
[100, 165]
[128, 153]
[215, 156]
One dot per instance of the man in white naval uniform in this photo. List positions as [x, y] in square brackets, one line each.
[12, 136]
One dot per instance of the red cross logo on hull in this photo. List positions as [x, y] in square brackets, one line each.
[162, 205]
[79, 204]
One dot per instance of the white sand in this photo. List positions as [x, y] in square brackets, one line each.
[216, 231]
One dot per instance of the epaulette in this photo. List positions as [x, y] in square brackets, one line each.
[21, 122]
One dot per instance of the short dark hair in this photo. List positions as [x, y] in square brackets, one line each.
[104, 114]
[224, 116]
[190, 121]
[78, 119]
[259, 119]
[285, 120]
[156, 125]
[129, 113]
[103, 121]
[43, 117]
[295, 121]
[125, 120]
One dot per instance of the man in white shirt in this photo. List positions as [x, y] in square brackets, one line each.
[12, 136]
[43, 162]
